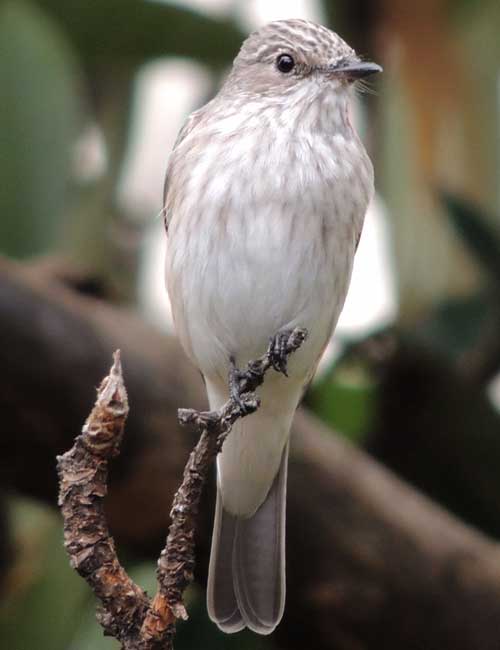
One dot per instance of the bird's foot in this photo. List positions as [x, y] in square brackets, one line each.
[236, 380]
[278, 350]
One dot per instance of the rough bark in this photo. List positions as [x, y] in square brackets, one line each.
[371, 563]
[83, 473]
[125, 612]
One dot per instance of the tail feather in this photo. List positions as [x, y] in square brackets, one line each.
[221, 599]
[246, 583]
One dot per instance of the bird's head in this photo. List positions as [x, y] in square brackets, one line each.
[289, 57]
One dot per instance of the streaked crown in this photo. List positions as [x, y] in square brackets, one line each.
[313, 44]
[289, 55]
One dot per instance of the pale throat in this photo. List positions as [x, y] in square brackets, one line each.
[324, 109]
[332, 106]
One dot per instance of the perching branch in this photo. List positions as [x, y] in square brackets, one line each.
[125, 611]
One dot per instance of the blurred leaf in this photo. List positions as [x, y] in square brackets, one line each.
[333, 14]
[37, 127]
[113, 39]
[47, 600]
[454, 325]
[89, 635]
[131, 32]
[482, 240]
[471, 6]
[344, 402]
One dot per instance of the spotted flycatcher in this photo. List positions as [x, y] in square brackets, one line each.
[266, 192]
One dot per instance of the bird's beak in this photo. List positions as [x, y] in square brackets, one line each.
[353, 69]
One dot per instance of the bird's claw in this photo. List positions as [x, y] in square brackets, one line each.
[278, 351]
[234, 380]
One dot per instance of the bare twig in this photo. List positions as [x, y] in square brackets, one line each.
[83, 473]
[125, 612]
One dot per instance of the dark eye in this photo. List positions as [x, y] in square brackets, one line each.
[285, 63]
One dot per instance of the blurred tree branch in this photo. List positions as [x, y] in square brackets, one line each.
[435, 426]
[372, 563]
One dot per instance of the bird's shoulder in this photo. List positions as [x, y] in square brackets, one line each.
[189, 126]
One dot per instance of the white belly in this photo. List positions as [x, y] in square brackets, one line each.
[261, 276]
[245, 260]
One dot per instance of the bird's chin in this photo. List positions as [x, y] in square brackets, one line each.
[338, 83]
[339, 87]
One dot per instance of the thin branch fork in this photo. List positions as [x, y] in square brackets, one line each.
[125, 611]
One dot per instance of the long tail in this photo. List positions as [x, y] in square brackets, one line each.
[246, 579]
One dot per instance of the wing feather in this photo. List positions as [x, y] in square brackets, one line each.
[191, 123]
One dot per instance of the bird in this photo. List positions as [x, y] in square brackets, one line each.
[266, 191]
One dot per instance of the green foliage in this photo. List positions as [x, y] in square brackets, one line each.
[44, 610]
[39, 78]
[344, 398]
[45, 45]
[131, 32]
[454, 324]
[481, 239]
